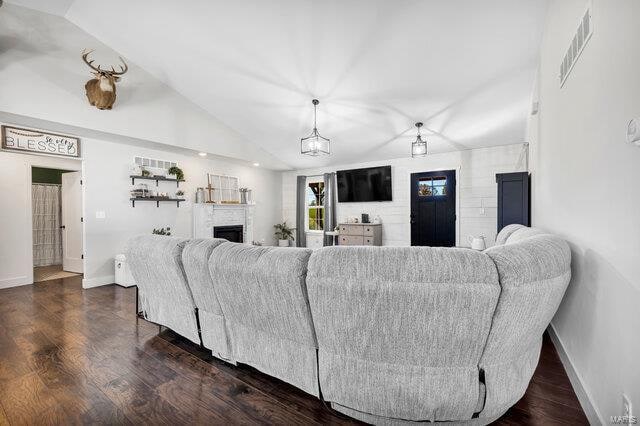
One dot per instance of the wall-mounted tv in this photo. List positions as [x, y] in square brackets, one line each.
[362, 185]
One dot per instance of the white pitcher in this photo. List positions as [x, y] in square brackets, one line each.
[477, 243]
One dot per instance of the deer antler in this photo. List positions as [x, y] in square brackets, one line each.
[85, 56]
[122, 69]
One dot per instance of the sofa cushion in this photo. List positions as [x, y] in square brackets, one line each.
[522, 234]
[401, 329]
[505, 232]
[263, 296]
[195, 258]
[165, 297]
[534, 270]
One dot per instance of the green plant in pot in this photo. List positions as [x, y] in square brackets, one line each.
[177, 172]
[284, 234]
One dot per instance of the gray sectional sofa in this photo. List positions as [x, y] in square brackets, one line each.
[387, 335]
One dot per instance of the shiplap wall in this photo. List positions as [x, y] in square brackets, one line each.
[476, 190]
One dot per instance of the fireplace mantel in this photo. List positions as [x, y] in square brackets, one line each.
[207, 216]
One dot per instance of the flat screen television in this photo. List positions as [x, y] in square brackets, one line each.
[362, 185]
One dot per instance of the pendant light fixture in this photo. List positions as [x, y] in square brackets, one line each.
[314, 144]
[419, 147]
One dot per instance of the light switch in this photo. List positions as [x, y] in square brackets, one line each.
[100, 215]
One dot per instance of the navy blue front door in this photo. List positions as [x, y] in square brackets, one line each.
[433, 209]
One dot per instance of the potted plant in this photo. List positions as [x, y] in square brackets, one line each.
[284, 234]
[177, 172]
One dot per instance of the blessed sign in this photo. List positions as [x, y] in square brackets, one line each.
[17, 139]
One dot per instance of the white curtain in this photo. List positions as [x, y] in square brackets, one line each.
[47, 236]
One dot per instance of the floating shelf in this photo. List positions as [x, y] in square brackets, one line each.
[158, 200]
[156, 178]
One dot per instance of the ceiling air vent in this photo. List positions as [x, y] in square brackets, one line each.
[580, 39]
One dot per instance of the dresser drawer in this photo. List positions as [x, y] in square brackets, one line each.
[350, 230]
[351, 240]
[367, 241]
[368, 231]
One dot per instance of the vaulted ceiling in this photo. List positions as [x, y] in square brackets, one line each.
[463, 67]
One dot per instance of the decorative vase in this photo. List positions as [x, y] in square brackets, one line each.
[283, 243]
[200, 196]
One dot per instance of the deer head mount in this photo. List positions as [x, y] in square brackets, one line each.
[101, 91]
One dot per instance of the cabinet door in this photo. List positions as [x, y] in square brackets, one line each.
[513, 199]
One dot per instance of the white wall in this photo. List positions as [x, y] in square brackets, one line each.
[42, 76]
[586, 188]
[107, 185]
[477, 190]
[16, 243]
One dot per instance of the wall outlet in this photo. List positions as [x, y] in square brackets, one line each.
[100, 215]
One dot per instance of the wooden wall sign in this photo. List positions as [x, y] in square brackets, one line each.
[37, 142]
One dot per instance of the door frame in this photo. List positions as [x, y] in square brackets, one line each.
[411, 171]
[42, 162]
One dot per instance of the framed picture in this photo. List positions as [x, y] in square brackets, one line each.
[225, 188]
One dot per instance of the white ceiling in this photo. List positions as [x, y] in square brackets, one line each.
[55, 7]
[466, 68]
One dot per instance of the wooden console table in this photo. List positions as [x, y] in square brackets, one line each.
[360, 234]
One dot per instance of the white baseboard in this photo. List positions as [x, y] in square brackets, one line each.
[98, 281]
[15, 281]
[576, 380]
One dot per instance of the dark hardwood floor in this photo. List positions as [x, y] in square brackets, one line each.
[73, 356]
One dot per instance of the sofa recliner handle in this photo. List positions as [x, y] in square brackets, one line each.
[484, 402]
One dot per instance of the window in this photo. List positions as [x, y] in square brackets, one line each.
[432, 186]
[315, 206]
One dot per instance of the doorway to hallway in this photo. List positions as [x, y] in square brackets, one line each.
[57, 223]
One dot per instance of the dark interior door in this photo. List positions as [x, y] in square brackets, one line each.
[513, 199]
[433, 209]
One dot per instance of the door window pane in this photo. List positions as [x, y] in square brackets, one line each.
[432, 186]
[424, 188]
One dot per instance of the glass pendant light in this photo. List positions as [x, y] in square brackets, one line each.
[314, 144]
[419, 147]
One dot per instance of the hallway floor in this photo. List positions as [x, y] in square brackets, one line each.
[51, 272]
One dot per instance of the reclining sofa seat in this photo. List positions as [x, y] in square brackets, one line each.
[164, 295]
[535, 270]
[408, 335]
[195, 258]
[263, 297]
[401, 330]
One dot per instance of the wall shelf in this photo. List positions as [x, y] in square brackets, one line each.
[156, 178]
[158, 200]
